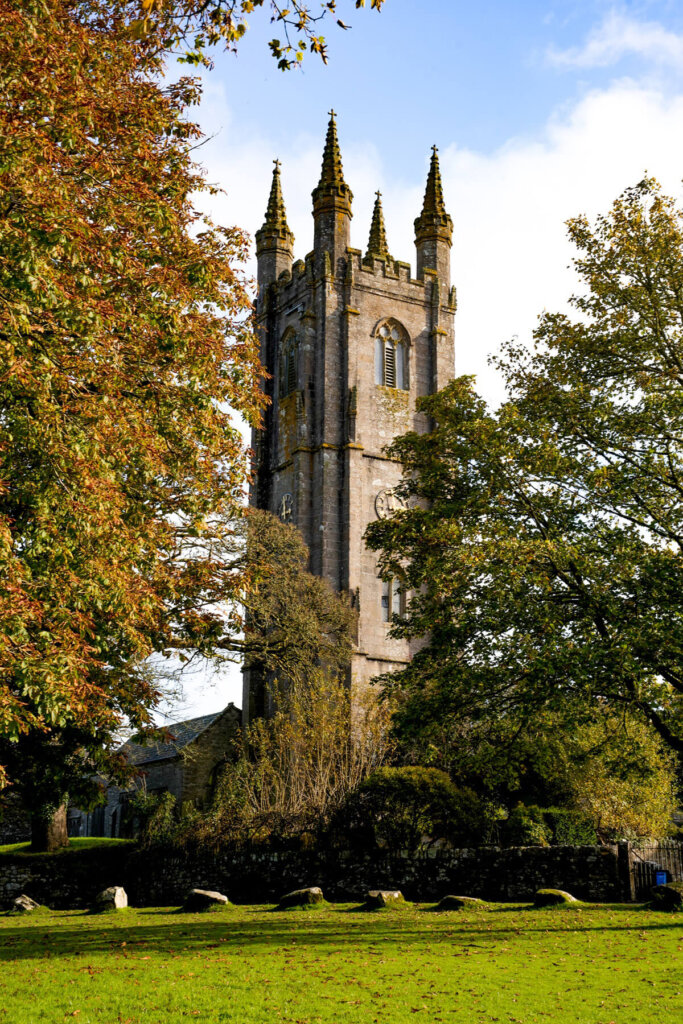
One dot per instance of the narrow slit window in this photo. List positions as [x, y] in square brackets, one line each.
[393, 599]
[396, 598]
[379, 360]
[386, 601]
[400, 366]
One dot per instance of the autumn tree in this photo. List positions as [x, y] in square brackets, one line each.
[543, 548]
[197, 26]
[287, 624]
[125, 337]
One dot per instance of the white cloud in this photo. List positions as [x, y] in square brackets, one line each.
[619, 36]
[510, 252]
[511, 258]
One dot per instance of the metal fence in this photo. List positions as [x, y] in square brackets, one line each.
[647, 861]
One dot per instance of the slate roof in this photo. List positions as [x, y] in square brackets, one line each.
[184, 733]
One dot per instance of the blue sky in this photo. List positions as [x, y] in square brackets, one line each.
[422, 73]
[540, 111]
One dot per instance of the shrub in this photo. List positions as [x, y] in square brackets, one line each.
[405, 808]
[153, 818]
[525, 826]
[569, 827]
[528, 825]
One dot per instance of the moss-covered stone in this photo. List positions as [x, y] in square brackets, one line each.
[553, 898]
[461, 903]
[203, 900]
[302, 898]
[24, 905]
[113, 898]
[667, 897]
[382, 899]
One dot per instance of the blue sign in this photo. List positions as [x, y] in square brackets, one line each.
[660, 877]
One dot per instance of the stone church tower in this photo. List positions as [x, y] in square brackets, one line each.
[351, 340]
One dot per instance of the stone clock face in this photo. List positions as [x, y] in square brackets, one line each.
[286, 507]
[387, 502]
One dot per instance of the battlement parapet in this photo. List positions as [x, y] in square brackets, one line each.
[384, 268]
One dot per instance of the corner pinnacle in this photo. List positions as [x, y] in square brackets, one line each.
[434, 221]
[433, 201]
[276, 218]
[377, 243]
[332, 175]
[275, 225]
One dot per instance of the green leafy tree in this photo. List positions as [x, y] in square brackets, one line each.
[405, 808]
[293, 623]
[543, 548]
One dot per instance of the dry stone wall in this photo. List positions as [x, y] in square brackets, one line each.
[164, 879]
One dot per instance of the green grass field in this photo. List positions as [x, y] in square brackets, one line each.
[248, 965]
[75, 845]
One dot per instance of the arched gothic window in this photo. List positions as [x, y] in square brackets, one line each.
[288, 365]
[391, 357]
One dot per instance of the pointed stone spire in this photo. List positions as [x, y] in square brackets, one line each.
[433, 204]
[377, 243]
[331, 203]
[274, 240]
[275, 224]
[434, 227]
[332, 174]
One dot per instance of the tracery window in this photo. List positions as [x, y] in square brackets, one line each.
[288, 365]
[391, 357]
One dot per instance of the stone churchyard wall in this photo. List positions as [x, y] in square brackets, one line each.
[155, 878]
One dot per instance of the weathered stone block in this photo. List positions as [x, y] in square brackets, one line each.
[301, 898]
[553, 898]
[461, 903]
[113, 898]
[198, 900]
[668, 897]
[377, 899]
[24, 905]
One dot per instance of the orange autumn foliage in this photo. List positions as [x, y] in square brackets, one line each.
[125, 336]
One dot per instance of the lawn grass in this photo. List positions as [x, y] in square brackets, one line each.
[249, 965]
[75, 846]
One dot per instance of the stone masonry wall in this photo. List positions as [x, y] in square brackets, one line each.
[157, 879]
[15, 826]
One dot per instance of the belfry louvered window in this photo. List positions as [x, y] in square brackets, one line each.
[391, 357]
[288, 365]
[291, 372]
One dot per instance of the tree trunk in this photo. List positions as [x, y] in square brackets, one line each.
[48, 829]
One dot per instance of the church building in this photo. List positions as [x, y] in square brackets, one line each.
[350, 341]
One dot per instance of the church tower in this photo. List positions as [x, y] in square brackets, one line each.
[350, 340]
